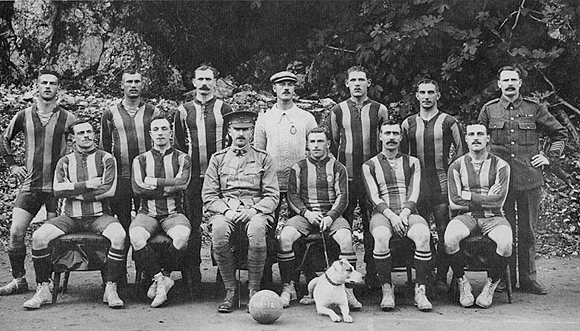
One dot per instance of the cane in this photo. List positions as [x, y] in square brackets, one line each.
[325, 250]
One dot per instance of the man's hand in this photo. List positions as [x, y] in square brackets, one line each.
[539, 160]
[313, 217]
[326, 223]
[150, 181]
[245, 215]
[396, 222]
[94, 183]
[19, 171]
[495, 189]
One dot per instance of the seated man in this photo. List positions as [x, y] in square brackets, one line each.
[318, 193]
[392, 183]
[240, 190]
[85, 178]
[478, 185]
[159, 177]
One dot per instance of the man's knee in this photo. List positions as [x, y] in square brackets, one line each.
[288, 236]
[139, 236]
[456, 231]
[420, 234]
[116, 234]
[344, 239]
[220, 230]
[180, 236]
[40, 238]
[502, 236]
[256, 231]
[382, 238]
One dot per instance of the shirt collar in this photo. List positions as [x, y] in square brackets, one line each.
[384, 157]
[208, 102]
[240, 151]
[504, 102]
[290, 113]
[353, 104]
[315, 162]
[157, 152]
[90, 151]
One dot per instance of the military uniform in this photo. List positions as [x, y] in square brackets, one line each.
[238, 179]
[514, 128]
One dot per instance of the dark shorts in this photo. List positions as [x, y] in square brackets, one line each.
[379, 219]
[96, 224]
[156, 224]
[32, 201]
[305, 228]
[484, 225]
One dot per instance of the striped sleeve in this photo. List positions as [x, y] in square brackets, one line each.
[456, 202]
[180, 134]
[413, 186]
[109, 179]
[334, 130]
[502, 177]
[458, 140]
[6, 150]
[372, 187]
[294, 194]
[106, 138]
[63, 187]
[340, 189]
[181, 179]
[138, 179]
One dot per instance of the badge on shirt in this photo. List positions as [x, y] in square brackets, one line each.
[329, 178]
[293, 130]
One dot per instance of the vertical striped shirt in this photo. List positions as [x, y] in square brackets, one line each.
[70, 182]
[430, 141]
[320, 186]
[126, 136]
[467, 179]
[171, 171]
[392, 184]
[355, 133]
[200, 131]
[44, 145]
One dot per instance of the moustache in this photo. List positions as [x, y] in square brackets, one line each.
[205, 88]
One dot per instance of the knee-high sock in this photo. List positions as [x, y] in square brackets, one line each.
[224, 257]
[499, 264]
[256, 262]
[175, 258]
[114, 265]
[384, 265]
[42, 264]
[349, 256]
[457, 264]
[423, 265]
[146, 258]
[287, 265]
[17, 255]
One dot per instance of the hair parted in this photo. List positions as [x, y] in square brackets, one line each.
[510, 68]
[318, 129]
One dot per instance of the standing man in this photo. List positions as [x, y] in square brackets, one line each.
[354, 127]
[282, 130]
[85, 179]
[318, 194]
[240, 190]
[428, 136]
[515, 124]
[43, 126]
[124, 134]
[392, 182]
[159, 177]
[478, 186]
[199, 131]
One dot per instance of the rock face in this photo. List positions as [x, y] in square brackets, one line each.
[85, 42]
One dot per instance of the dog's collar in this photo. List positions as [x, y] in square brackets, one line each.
[330, 280]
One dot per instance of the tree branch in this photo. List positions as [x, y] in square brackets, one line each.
[518, 15]
[339, 49]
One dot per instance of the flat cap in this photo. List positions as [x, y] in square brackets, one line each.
[283, 76]
[241, 119]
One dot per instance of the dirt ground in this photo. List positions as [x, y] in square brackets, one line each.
[80, 308]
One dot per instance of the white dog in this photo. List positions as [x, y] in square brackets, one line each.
[328, 290]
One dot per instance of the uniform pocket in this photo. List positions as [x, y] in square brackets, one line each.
[528, 134]
[497, 131]
[253, 175]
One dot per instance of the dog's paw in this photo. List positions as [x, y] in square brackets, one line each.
[348, 319]
[307, 300]
[335, 318]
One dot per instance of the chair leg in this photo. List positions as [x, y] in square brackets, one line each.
[55, 286]
[138, 276]
[508, 283]
[65, 281]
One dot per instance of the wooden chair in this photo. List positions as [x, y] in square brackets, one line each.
[83, 251]
[478, 252]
